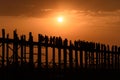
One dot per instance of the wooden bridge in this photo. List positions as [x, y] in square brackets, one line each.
[54, 52]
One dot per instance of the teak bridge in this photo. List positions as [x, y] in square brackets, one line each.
[54, 52]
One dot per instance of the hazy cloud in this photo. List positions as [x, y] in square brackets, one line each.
[35, 7]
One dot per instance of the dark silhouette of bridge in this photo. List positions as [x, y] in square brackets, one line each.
[19, 52]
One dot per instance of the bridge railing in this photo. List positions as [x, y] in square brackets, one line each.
[63, 53]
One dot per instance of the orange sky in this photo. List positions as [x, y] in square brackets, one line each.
[101, 24]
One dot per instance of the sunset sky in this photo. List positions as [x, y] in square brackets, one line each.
[90, 20]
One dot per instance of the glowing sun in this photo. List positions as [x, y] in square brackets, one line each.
[60, 19]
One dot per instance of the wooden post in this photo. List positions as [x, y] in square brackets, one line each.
[7, 50]
[39, 50]
[81, 54]
[88, 55]
[112, 57]
[85, 46]
[70, 56]
[15, 48]
[3, 47]
[92, 48]
[59, 58]
[76, 54]
[97, 54]
[104, 56]
[59, 52]
[119, 58]
[52, 40]
[90, 59]
[31, 49]
[46, 50]
[24, 47]
[86, 58]
[116, 50]
[108, 52]
[54, 58]
[65, 44]
[21, 50]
